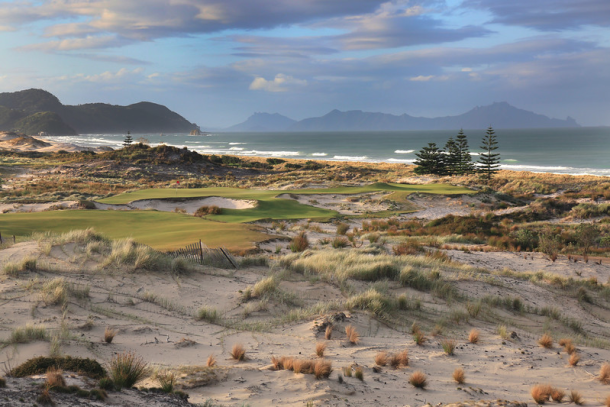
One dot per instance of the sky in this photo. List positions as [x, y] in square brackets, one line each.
[218, 61]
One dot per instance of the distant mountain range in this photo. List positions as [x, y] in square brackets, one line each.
[34, 110]
[499, 115]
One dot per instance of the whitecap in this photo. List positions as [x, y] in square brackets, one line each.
[236, 148]
[278, 153]
[234, 144]
[397, 160]
[403, 151]
[350, 158]
[319, 154]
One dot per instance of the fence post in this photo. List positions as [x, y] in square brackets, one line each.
[1, 238]
[14, 240]
[201, 251]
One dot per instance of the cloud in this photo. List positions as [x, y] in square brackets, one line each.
[546, 15]
[71, 44]
[280, 83]
[421, 78]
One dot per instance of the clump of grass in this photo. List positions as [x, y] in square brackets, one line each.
[167, 380]
[342, 228]
[265, 286]
[394, 361]
[238, 352]
[541, 393]
[347, 371]
[449, 346]
[574, 359]
[418, 379]
[473, 336]
[288, 363]
[320, 348]
[419, 338]
[41, 364]
[557, 395]
[208, 314]
[302, 366]
[207, 210]
[105, 383]
[607, 402]
[576, 398]
[54, 292]
[55, 377]
[299, 243]
[546, 341]
[211, 362]
[502, 331]
[381, 358]
[352, 335]
[277, 362]
[328, 333]
[403, 357]
[459, 376]
[2, 382]
[13, 269]
[45, 398]
[322, 369]
[28, 333]
[604, 373]
[126, 369]
[109, 334]
[359, 373]
[564, 341]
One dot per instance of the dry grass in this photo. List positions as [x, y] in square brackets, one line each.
[418, 379]
[238, 352]
[347, 371]
[459, 376]
[564, 341]
[419, 338]
[381, 358]
[541, 393]
[352, 334]
[211, 362]
[288, 363]
[303, 366]
[574, 359]
[55, 378]
[109, 334]
[320, 348]
[45, 398]
[395, 361]
[328, 333]
[126, 369]
[576, 398]
[604, 373]
[322, 369]
[359, 373]
[403, 357]
[473, 336]
[607, 402]
[278, 363]
[546, 341]
[449, 346]
[557, 395]
[570, 348]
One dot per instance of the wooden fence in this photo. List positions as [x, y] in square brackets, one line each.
[200, 253]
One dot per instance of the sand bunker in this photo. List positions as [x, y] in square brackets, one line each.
[181, 205]
[344, 204]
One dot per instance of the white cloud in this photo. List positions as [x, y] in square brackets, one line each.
[71, 44]
[421, 78]
[278, 84]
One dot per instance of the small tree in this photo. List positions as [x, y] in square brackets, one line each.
[465, 166]
[429, 160]
[451, 157]
[586, 236]
[488, 160]
[128, 140]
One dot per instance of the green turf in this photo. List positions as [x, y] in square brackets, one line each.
[275, 208]
[161, 230]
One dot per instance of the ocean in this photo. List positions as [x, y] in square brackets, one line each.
[584, 150]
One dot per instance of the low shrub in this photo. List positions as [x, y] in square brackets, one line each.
[381, 358]
[322, 369]
[449, 346]
[557, 395]
[299, 243]
[342, 228]
[339, 242]
[40, 365]
[576, 398]
[109, 334]
[55, 377]
[459, 376]
[541, 393]
[320, 348]
[604, 373]
[574, 359]
[473, 336]
[207, 210]
[352, 335]
[238, 352]
[418, 379]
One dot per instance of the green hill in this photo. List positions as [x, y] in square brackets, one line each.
[23, 111]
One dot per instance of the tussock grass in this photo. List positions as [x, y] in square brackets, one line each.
[328, 333]
[211, 362]
[448, 346]
[418, 379]
[541, 393]
[359, 373]
[54, 292]
[13, 269]
[28, 333]
[419, 337]
[403, 357]
[320, 348]
[459, 376]
[238, 352]
[83, 236]
[607, 401]
[502, 331]
[347, 371]
[264, 287]
[210, 315]
[473, 336]
[381, 358]
[322, 369]
[604, 373]
[109, 334]
[546, 341]
[166, 380]
[126, 369]
[45, 398]
[302, 366]
[352, 335]
[299, 243]
[55, 377]
[557, 395]
[126, 252]
[576, 398]
[574, 359]
[2, 382]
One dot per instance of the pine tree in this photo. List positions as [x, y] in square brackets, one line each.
[466, 166]
[128, 140]
[451, 157]
[489, 162]
[429, 160]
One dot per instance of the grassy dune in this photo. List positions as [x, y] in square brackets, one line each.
[160, 230]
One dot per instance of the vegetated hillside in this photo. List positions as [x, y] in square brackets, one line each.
[89, 118]
[500, 115]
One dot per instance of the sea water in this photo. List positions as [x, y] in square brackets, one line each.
[584, 150]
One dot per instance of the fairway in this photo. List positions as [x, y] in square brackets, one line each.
[160, 230]
[271, 207]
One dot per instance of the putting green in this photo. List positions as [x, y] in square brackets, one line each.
[160, 230]
[271, 207]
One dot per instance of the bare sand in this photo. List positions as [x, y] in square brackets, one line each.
[189, 206]
[22, 143]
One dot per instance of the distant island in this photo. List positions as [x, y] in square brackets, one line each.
[500, 115]
[35, 111]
